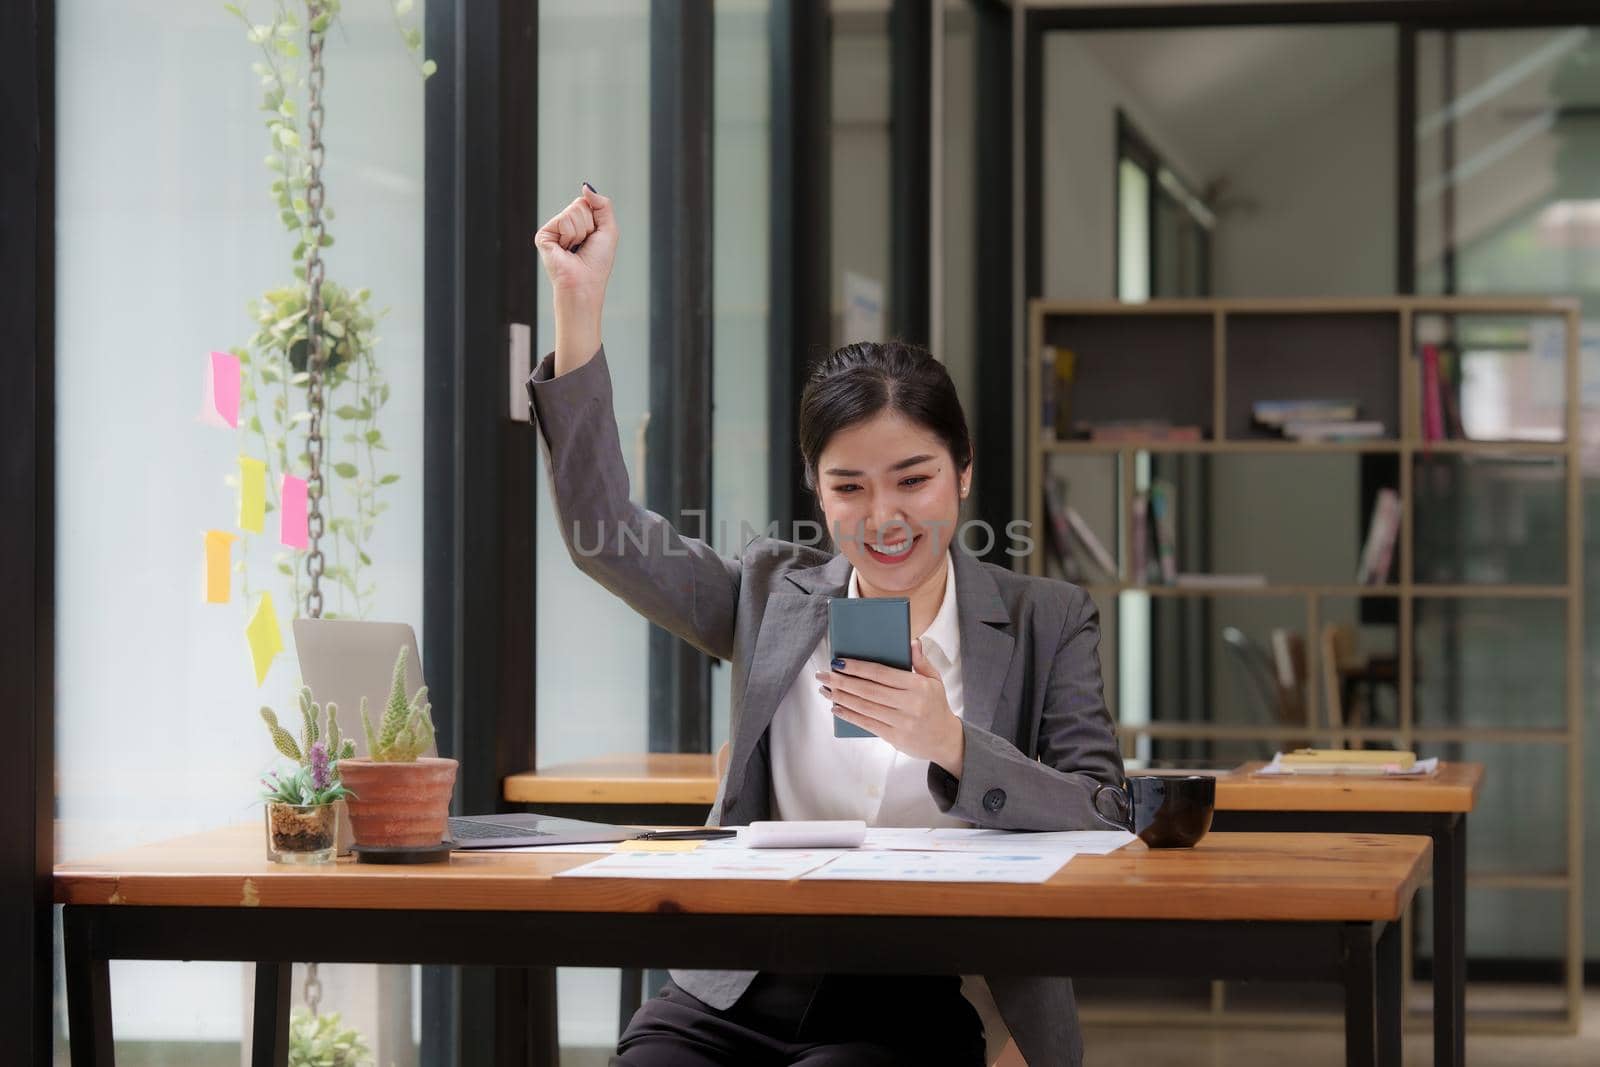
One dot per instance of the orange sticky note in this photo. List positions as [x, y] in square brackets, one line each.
[219, 565]
[263, 637]
[252, 494]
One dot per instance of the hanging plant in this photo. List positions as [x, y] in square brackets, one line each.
[281, 401]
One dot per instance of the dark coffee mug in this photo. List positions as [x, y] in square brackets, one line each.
[1167, 812]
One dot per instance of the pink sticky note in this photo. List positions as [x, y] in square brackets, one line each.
[292, 512]
[221, 406]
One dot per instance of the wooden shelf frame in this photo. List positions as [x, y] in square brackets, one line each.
[1406, 445]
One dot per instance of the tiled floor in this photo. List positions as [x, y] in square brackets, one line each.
[1189, 1046]
[1126, 1046]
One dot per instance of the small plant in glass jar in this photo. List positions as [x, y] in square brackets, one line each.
[302, 811]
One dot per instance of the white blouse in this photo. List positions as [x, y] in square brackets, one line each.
[816, 775]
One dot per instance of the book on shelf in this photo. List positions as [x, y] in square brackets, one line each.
[1432, 403]
[1275, 414]
[1441, 408]
[1060, 539]
[1071, 540]
[1047, 392]
[1059, 368]
[1138, 431]
[1220, 581]
[1163, 509]
[1377, 555]
[1091, 544]
[1139, 557]
[1449, 388]
[1336, 430]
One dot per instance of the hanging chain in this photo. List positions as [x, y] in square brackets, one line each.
[314, 357]
[314, 275]
[313, 989]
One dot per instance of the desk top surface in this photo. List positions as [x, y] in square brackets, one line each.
[690, 778]
[1453, 789]
[627, 778]
[1310, 877]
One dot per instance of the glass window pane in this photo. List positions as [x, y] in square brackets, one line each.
[860, 140]
[167, 232]
[592, 649]
[742, 141]
[952, 306]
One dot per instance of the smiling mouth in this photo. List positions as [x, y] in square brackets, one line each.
[894, 553]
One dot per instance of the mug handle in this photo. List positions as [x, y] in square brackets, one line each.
[1123, 817]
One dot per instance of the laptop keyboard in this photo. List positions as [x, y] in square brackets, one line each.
[480, 830]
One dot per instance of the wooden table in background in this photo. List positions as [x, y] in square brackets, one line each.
[1294, 907]
[638, 789]
[678, 789]
[1436, 807]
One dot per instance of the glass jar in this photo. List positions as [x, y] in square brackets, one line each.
[301, 833]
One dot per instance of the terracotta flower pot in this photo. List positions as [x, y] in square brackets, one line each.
[401, 805]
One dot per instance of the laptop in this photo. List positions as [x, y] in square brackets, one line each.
[512, 830]
[343, 660]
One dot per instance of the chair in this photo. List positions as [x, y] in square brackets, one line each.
[1346, 672]
[1273, 683]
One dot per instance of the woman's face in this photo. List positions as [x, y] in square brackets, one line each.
[887, 482]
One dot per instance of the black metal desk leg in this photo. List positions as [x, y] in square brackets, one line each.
[1359, 963]
[269, 1027]
[1450, 941]
[545, 1040]
[525, 1017]
[632, 995]
[88, 992]
[1390, 996]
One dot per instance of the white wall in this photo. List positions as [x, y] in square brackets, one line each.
[1081, 100]
[165, 231]
[1314, 210]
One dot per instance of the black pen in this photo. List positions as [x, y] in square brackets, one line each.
[701, 833]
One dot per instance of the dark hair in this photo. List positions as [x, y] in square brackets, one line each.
[860, 380]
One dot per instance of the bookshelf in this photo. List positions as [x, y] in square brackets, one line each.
[1205, 363]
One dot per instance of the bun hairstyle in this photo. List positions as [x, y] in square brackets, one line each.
[863, 379]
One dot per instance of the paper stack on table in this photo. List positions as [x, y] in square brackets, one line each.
[888, 854]
[1374, 763]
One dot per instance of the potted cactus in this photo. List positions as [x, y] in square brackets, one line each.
[402, 797]
[301, 805]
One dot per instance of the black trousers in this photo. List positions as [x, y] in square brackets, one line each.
[814, 1020]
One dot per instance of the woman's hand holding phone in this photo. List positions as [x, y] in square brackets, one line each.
[908, 709]
[578, 247]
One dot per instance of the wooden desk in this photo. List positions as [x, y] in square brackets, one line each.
[679, 790]
[644, 788]
[1436, 807]
[1244, 906]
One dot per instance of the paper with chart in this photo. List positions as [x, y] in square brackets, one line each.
[1075, 842]
[894, 865]
[766, 864]
[963, 839]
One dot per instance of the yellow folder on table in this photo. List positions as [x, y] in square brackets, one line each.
[1319, 757]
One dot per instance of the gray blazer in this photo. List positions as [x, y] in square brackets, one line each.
[1038, 736]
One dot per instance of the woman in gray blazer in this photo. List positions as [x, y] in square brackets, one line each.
[1001, 722]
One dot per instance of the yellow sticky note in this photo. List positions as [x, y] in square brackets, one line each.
[657, 846]
[252, 494]
[219, 565]
[262, 634]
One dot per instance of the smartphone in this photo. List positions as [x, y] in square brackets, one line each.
[876, 629]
